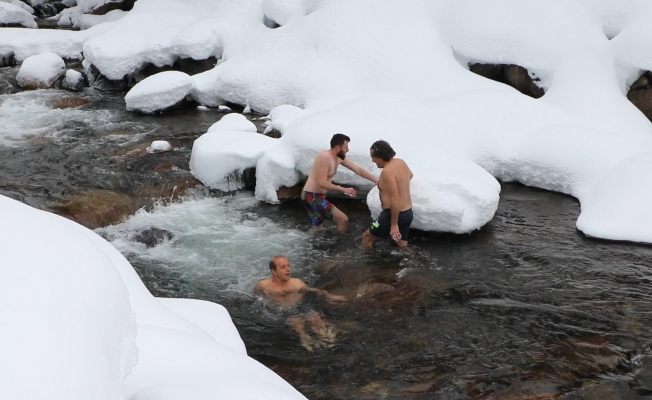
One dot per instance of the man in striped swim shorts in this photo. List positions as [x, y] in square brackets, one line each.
[320, 181]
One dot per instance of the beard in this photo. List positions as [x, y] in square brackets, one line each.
[341, 155]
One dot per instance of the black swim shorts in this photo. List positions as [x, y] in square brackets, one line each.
[381, 226]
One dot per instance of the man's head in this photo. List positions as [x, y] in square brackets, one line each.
[280, 268]
[381, 152]
[340, 142]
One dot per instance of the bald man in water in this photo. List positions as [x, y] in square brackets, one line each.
[287, 293]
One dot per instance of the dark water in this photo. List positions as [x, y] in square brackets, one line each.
[526, 308]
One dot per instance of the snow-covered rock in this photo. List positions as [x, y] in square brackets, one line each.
[159, 146]
[457, 197]
[40, 71]
[159, 92]
[20, 4]
[229, 147]
[12, 14]
[78, 323]
[74, 80]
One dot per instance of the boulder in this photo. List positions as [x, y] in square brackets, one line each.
[12, 15]
[101, 7]
[40, 71]
[7, 59]
[640, 94]
[47, 10]
[73, 80]
[159, 92]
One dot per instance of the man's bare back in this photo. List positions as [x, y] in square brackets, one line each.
[394, 191]
[395, 178]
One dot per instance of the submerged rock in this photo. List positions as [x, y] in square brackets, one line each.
[97, 208]
[153, 236]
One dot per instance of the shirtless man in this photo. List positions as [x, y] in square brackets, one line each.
[287, 293]
[394, 189]
[320, 182]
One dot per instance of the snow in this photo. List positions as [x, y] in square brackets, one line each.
[229, 147]
[158, 92]
[40, 71]
[20, 4]
[78, 323]
[11, 13]
[74, 80]
[159, 146]
[72, 17]
[331, 57]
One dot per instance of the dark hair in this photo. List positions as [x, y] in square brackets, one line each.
[272, 262]
[338, 139]
[382, 150]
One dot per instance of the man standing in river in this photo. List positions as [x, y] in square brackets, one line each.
[320, 182]
[394, 189]
[287, 293]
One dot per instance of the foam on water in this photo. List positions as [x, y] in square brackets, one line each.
[220, 242]
[34, 113]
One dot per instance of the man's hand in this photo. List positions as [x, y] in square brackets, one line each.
[394, 233]
[336, 298]
[350, 192]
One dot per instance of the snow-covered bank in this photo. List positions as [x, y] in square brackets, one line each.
[341, 64]
[78, 323]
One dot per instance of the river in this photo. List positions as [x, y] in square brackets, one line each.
[525, 308]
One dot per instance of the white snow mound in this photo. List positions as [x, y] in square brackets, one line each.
[40, 71]
[158, 92]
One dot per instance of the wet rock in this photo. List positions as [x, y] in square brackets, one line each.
[519, 78]
[249, 178]
[101, 82]
[513, 75]
[101, 9]
[372, 289]
[170, 190]
[7, 59]
[46, 10]
[73, 80]
[643, 377]
[97, 208]
[609, 390]
[640, 94]
[153, 236]
[588, 356]
[69, 102]
[531, 390]
[289, 193]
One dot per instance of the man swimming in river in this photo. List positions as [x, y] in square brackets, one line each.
[287, 293]
[320, 182]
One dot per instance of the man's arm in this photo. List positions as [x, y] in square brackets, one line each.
[259, 288]
[322, 164]
[328, 296]
[360, 171]
[391, 189]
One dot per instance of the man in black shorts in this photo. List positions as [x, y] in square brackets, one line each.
[394, 190]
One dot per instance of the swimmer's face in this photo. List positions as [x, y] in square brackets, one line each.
[282, 270]
[374, 159]
[344, 148]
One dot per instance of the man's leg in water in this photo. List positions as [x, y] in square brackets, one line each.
[323, 329]
[299, 326]
[340, 219]
[368, 240]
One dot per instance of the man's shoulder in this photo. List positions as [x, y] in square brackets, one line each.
[296, 282]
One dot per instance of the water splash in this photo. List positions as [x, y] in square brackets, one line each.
[219, 242]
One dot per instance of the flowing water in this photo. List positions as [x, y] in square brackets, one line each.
[526, 308]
